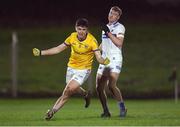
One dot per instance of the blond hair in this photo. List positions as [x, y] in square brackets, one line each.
[117, 9]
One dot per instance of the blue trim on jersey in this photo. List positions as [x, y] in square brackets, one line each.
[116, 25]
[96, 50]
[105, 36]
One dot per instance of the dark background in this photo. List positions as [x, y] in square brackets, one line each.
[19, 13]
[151, 47]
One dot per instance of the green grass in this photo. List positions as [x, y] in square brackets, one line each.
[28, 112]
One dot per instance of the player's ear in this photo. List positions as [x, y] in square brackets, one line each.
[76, 28]
[87, 29]
[119, 17]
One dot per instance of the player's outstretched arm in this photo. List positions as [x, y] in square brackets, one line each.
[100, 59]
[51, 51]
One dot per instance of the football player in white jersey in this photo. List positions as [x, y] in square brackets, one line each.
[111, 47]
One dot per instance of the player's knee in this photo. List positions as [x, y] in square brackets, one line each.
[112, 88]
[68, 91]
[113, 76]
[98, 87]
[112, 82]
[98, 84]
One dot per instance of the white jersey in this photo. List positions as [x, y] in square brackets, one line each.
[109, 49]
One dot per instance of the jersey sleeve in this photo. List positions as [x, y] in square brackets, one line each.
[67, 42]
[120, 31]
[95, 45]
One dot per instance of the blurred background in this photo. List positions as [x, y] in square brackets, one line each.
[151, 45]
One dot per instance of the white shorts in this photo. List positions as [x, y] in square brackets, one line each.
[79, 75]
[114, 66]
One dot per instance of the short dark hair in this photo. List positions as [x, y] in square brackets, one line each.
[117, 9]
[82, 22]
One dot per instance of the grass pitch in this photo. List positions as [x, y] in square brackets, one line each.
[30, 112]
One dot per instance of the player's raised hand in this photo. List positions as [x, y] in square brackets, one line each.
[105, 29]
[36, 52]
[106, 61]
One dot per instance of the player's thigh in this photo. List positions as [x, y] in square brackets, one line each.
[73, 85]
[113, 76]
[101, 81]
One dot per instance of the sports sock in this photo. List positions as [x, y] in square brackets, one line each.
[121, 106]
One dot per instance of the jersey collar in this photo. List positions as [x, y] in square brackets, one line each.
[113, 24]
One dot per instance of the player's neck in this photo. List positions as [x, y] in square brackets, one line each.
[82, 38]
[111, 23]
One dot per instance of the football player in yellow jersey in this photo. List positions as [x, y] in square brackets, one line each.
[83, 47]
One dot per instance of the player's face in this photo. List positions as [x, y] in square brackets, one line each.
[82, 32]
[113, 16]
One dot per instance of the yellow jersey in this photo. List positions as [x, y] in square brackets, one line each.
[82, 52]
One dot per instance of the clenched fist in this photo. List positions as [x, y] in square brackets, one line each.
[36, 52]
[106, 61]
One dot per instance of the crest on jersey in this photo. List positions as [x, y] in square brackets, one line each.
[86, 46]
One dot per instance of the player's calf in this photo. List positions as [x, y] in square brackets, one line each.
[87, 98]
